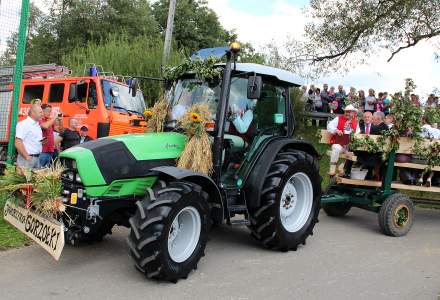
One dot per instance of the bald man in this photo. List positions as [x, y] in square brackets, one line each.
[28, 139]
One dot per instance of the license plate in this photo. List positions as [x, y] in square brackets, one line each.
[49, 234]
[73, 198]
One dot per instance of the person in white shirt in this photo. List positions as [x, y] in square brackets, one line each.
[243, 119]
[370, 101]
[28, 139]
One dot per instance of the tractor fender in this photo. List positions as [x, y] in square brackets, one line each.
[208, 185]
[254, 183]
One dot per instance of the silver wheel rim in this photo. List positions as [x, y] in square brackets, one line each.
[296, 202]
[184, 234]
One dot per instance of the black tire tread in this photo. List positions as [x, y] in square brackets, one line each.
[262, 220]
[148, 233]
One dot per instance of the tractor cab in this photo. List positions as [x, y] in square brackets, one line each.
[258, 109]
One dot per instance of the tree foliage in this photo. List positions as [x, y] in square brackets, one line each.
[123, 55]
[196, 26]
[345, 32]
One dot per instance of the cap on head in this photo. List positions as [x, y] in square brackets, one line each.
[350, 108]
[84, 128]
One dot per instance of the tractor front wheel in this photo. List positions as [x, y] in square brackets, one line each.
[396, 215]
[169, 231]
[290, 202]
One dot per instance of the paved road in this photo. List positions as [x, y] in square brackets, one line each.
[345, 259]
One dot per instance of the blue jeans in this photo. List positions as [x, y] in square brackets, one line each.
[45, 159]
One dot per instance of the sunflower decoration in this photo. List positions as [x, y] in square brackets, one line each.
[148, 113]
[156, 115]
[197, 155]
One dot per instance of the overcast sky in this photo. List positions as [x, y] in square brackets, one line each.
[264, 21]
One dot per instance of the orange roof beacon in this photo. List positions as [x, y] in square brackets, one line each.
[101, 101]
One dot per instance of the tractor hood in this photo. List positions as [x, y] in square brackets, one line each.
[102, 161]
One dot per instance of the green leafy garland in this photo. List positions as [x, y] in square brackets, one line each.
[203, 69]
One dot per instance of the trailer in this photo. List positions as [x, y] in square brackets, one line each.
[395, 209]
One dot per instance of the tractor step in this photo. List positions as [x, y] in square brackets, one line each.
[240, 222]
[237, 209]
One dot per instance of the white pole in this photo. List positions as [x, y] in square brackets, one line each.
[169, 33]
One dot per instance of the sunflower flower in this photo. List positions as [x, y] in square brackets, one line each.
[195, 117]
[148, 113]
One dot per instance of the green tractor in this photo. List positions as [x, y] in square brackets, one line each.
[260, 172]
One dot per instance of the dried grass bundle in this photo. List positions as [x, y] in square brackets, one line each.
[197, 155]
[46, 195]
[13, 179]
[156, 115]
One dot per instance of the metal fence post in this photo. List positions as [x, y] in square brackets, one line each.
[18, 71]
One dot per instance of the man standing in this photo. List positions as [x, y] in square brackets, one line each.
[69, 137]
[83, 133]
[370, 101]
[325, 98]
[341, 127]
[28, 139]
[46, 123]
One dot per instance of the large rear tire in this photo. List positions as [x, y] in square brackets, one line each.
[169, 231]
[290, 202]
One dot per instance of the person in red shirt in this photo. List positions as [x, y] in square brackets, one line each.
[48, 142]
[341, 127]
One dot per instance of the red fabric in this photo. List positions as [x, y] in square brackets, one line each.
[341, 124]
[49, 144]
[367, 129]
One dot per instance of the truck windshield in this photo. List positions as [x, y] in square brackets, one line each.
[187, 92]
[124, 101]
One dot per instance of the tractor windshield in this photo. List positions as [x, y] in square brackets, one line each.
[124, 101]
[187, 92]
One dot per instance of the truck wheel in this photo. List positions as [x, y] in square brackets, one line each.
[337, 209]
[396, 215]
[169, 231]
[290, 202]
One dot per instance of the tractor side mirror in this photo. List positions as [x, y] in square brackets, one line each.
[255, 84]
[133, 87]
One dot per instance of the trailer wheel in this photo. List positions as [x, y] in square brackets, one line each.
[337, 209]
[290, 202]
[396, 215]
[169, 231]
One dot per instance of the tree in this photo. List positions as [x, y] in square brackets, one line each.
[345, 32]
[196, 26]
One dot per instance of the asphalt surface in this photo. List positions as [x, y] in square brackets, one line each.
[345, 259]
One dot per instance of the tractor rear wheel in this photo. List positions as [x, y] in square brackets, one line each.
[396, 215]
[169, 231]
[290, 202]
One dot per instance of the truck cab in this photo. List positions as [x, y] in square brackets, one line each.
[104, 104]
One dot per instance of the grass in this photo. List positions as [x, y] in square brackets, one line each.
[310, 134]
[9, 236]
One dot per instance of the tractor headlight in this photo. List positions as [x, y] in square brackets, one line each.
[78, 178]
[68, 176]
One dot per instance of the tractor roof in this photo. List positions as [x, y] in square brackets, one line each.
[280, 74]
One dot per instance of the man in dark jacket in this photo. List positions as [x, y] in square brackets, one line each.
[84, 135]
[379, 126]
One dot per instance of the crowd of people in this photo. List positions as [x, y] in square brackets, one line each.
[331, 100]
[41, 136]
[372, 123]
